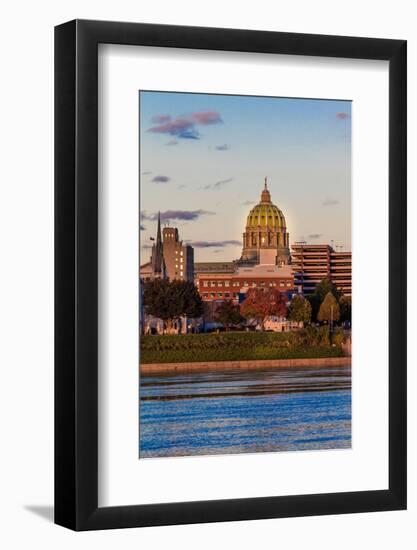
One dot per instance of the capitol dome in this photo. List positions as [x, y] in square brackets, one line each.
[266, 214]
[265, 237]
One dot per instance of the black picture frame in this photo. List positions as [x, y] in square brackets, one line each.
[76, 272]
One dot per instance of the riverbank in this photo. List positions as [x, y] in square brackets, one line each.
[309, 343]
[208, 366]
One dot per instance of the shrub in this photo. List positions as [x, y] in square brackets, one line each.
[228, 346]
[338, 337]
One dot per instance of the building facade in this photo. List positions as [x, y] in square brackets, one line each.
[218, 287]
[179, 257]
[170, 258]
[311, 263]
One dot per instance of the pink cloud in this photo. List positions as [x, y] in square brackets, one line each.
[184, 126]
[342, 116]
[206, 117]
[161, 119]
[173, 127]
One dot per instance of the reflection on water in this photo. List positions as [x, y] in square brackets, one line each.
[245, 411]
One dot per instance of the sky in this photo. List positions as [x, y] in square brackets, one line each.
[203, 160]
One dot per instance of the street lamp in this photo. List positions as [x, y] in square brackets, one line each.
[331, 318]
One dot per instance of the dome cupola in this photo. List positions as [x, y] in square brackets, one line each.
[266, 195]
[265, 230]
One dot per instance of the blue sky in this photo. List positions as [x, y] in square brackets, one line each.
[203, 159]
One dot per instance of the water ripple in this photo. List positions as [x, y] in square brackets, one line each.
[245, 411]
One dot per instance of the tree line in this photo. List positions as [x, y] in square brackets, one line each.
[171, 300]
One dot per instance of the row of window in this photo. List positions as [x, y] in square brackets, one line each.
[226, 295]
[218, 283]
[246, 284]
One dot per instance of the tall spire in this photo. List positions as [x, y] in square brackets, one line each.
[265, 196]
[158, 263]
[158, 231]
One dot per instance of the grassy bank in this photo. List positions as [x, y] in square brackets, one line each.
[240, 346]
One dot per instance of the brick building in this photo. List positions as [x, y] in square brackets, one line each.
[215, 286]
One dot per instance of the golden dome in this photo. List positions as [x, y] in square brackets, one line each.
[266, 214]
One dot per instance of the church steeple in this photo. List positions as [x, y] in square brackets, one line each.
[158, 231]
[158, 262]
[266, 196]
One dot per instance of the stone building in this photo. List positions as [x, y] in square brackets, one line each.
[265, 240]
[156, 267]
[170, 258]
[179, 257]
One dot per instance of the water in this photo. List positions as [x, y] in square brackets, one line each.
[245, 411]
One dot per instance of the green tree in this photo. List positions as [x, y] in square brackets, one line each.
[329, 309]
[320, 292]
[261, 303]
[345, 304]
[170, 300]
[299, 310]
[228, 314]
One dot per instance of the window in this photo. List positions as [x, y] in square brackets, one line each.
[227, 283]
[220, 294]
[245, 283]
[212, 294]
[205, 294]
[205, 283]
[227, 294]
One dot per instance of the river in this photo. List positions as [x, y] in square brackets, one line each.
[245, 411]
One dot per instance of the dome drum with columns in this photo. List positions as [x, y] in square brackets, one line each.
[265, 239]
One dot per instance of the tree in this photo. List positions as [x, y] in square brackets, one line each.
[228, 314]
[261, 303]
[299, 310]
[329, 309]
[320, 292]
[170, 300]
[345, 304]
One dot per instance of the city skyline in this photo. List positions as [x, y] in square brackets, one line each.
[203, 159]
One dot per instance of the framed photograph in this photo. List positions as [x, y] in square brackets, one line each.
[230, 244]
